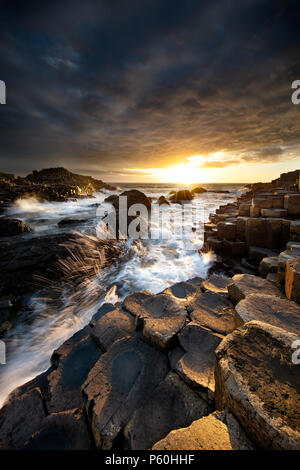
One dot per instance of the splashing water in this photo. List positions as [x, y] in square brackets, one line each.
[64, 309]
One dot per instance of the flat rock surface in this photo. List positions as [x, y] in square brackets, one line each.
[113, 326]
[245, 284]
[173, 404]
[213, 311]
[258, 382]
[208, 433]
[183, 291]
[217, 283]
[270, 309]
[159, 316]
[73, 361]
[19, 418]
[61, 431]
[196, 367]
[120, 382]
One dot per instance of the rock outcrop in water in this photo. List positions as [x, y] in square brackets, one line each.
[11, 227]
[206, 364]
[45, 262]
[152, 371]
[51, 184]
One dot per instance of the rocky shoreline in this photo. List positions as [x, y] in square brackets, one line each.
[51, 184]
[206, 364]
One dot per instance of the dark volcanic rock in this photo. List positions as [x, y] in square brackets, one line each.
[19, 418]
[184, 291]
[133, 197]
[121, 381]
[10, 227]
[217, 283]
[158, 316]
[67, 221]
[163, 200]
[213, 311]
[62, 176]
[23, 261]
[113, 326]
[173, 404]
[196, 367]
[181, 196]
[51, 184]
[61, 431]
[245, 284]
[72, 362]
[198, 190]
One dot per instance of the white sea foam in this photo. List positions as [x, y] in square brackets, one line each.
[148, 264]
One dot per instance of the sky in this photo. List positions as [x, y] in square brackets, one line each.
[151, 90]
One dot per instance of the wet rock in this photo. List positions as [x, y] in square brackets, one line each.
[214, 244]
[113, 326]
[54, 176]
[61, 431]
[282, 313]
[198, 190]
[173, 404]
[217, 431]
[120, 382]
[268, 265]
[158, 316]
[72, 361]
[181, 196]
[217, 283]
[19, 418]
[103, 310]
[196, 367]
[133, 197]
[23, 261]
[10, 227]
[163, 200]
[292, 280]
[245, 284]
[7, 315]
[183, 291]
[258, 383]
[214, 311]
[65, 222]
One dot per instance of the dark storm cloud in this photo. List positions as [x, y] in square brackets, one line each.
[115, 85]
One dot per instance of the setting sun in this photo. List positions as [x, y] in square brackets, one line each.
[185, 174]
